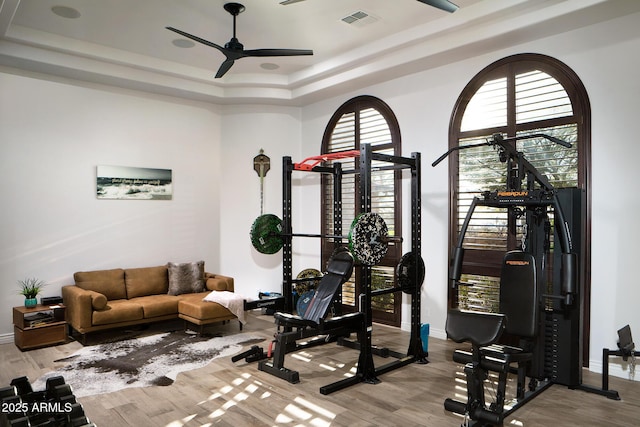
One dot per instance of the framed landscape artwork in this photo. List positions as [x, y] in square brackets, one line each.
[131, 183]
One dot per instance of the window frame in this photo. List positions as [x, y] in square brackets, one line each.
[355, 105]
[488, 263]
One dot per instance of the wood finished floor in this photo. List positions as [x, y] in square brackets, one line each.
[237, 394]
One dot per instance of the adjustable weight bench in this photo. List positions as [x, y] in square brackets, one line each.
[313, 322]
[519, 317]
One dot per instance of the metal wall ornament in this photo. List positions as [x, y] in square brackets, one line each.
[261, 164]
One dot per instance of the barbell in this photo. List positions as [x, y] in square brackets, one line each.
[368, 236]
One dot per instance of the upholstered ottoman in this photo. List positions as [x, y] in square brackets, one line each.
[192, 309]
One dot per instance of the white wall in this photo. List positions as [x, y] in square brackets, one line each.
[246, 130]
[604, 57]
[608, 64]
[53, 135]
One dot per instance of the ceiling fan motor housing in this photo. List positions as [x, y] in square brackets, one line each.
[234, 44]
[234, 8]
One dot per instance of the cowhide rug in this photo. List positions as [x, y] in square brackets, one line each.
[153, 360]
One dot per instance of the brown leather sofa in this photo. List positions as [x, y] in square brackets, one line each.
[105, 299]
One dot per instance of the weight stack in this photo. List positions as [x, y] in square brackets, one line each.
[566, 322]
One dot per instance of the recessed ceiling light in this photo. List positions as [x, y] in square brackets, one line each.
[66, 12]
[269, 66]
[183, 43]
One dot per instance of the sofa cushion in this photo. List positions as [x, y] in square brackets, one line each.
[194, 306]
[109, 283]
[186, 278]
[118, 311]
[157, 305]
[98, 300]
[146, 281]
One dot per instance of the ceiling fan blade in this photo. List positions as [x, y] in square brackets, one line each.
[290, 1]
[278, 52]
[445, 5]
[198, 39]
[224, 68]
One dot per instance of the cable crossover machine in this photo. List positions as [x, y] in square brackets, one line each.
[541, 312]
[367, 242]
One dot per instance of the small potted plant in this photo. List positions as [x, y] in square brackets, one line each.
[30, 288]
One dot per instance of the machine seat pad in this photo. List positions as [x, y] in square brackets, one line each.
[481, 329]
[348, 321]
[506, 353]
[286, 319]
[503, 349]
[463, 356]
[491, 361]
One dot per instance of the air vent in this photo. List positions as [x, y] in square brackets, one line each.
[359, 18]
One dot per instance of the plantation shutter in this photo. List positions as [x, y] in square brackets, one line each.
[518, 102]
[366, 120]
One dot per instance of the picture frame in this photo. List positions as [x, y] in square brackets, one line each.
[133, 183]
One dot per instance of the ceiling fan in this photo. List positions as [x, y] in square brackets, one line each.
[445, 5]
[234, 49]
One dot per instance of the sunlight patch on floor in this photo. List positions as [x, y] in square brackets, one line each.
[304, 411]
[327, 367]
[316, 408]
[182, 422]
[299, 413]
[301, 357]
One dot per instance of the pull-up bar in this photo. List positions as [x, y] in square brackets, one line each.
[399, 162]
[315, 160]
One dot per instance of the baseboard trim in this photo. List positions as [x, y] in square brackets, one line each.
[617, 368]
[433, 332]
[6, 338]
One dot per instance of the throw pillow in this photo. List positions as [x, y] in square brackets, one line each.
[186, 278]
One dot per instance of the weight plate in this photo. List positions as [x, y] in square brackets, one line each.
[410, 271]
[309, 273]
[367, 238]
[303, 303]
[266, 234]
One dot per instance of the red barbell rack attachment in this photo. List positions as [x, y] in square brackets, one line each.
[310, 162]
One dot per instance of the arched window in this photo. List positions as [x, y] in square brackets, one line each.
[518, 95]
[365, 120]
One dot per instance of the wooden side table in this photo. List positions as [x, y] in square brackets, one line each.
[39, 326]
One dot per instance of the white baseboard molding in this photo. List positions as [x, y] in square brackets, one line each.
[6, 338]
[433, 332]
[617, 368]
[438, 333]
